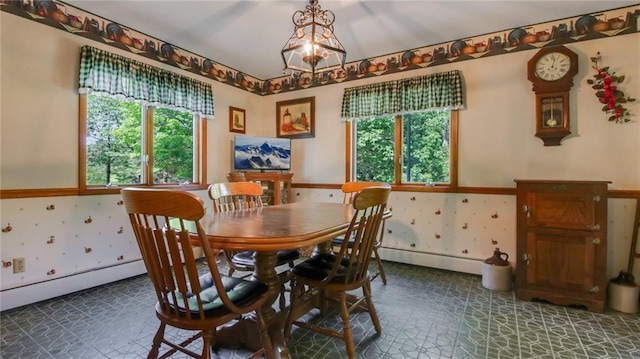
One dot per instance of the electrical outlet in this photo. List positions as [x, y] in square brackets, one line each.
[18, 265]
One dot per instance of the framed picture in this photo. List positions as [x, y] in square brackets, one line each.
[237, 120]
[296, 118]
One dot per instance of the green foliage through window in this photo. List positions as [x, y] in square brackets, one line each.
[425, 152]
[116, 143]
[172, 146]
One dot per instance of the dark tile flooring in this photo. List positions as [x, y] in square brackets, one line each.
[425, 313]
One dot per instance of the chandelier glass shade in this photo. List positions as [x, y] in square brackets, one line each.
[313, 47]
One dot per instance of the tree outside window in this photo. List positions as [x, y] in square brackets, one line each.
[128, 143]
[422, 143]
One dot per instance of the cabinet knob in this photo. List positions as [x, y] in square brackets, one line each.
[596, 198]
[594, 289]
[596, 240]
[593, 227]
[526, 209]
[526, 258]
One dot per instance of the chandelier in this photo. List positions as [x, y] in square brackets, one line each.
[313, 47]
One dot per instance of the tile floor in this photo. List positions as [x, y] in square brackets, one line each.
[425, 313]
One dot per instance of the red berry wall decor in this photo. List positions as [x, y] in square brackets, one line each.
[606, 84]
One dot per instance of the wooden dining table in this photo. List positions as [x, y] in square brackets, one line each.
[266, 230]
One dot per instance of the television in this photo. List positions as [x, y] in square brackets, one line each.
[261, 153]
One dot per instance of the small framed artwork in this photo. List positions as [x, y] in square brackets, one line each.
[237, 120]
[296, 118]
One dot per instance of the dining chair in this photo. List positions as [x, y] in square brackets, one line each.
[349, 190]
[334, 274]
[237, 196]
[166, 224]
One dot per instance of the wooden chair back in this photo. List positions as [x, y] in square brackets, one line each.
[234, 196]
[349, 189]
[166, 226]
[352, 260]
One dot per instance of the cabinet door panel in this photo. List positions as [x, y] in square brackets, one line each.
[567, 211]
[563, 261]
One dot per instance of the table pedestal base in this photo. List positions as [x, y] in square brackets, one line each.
[244, 332]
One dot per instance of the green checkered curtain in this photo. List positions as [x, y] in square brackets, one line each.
[370, 100]
[435, 91]
[440, 90]
[107, 73]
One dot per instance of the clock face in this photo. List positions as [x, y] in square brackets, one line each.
[552, 66]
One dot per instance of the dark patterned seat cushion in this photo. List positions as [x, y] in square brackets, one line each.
[245, 258]
[241, 292]
[337, 241]
[319, 266]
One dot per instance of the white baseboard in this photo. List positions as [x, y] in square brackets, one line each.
[16, 297]
[464, 265]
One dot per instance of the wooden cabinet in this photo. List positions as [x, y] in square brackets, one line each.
[277, 186]
[562, 242]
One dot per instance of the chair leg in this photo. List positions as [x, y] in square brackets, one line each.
[293, 301]
[366, 290]
[157, 340]
[207, 337]
[281, 299]
[285, 277]
[347, 334]
[267, 346]
[383, 276]
[324, 302]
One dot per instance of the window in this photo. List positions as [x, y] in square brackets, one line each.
[423, 144]
[127, 143]
[418, 147]
[139, 125]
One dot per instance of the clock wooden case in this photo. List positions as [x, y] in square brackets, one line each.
[551, 71]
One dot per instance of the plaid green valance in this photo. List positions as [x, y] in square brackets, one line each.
[441, 90]
[107, 73]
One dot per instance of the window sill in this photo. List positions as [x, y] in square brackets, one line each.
[116, 190]
[416, 187]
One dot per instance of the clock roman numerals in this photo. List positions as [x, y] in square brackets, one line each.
[552, 67]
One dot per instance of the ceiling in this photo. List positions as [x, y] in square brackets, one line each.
[247, 35]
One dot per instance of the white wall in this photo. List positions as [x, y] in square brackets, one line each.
[497, 142]
[40, 107]
[38, 149]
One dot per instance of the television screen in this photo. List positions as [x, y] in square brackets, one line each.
[261, 153]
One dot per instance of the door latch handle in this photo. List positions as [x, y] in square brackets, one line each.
[594, 227]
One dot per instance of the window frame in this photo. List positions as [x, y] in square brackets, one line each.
[452, 186]
[199, 150]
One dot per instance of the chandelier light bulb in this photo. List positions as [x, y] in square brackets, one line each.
[313, 47]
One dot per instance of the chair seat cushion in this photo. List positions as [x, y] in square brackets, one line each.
[337, 241]
[320, 265]
[241, 292]
[245, 258]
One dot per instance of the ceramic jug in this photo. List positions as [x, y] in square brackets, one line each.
[497, 272]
